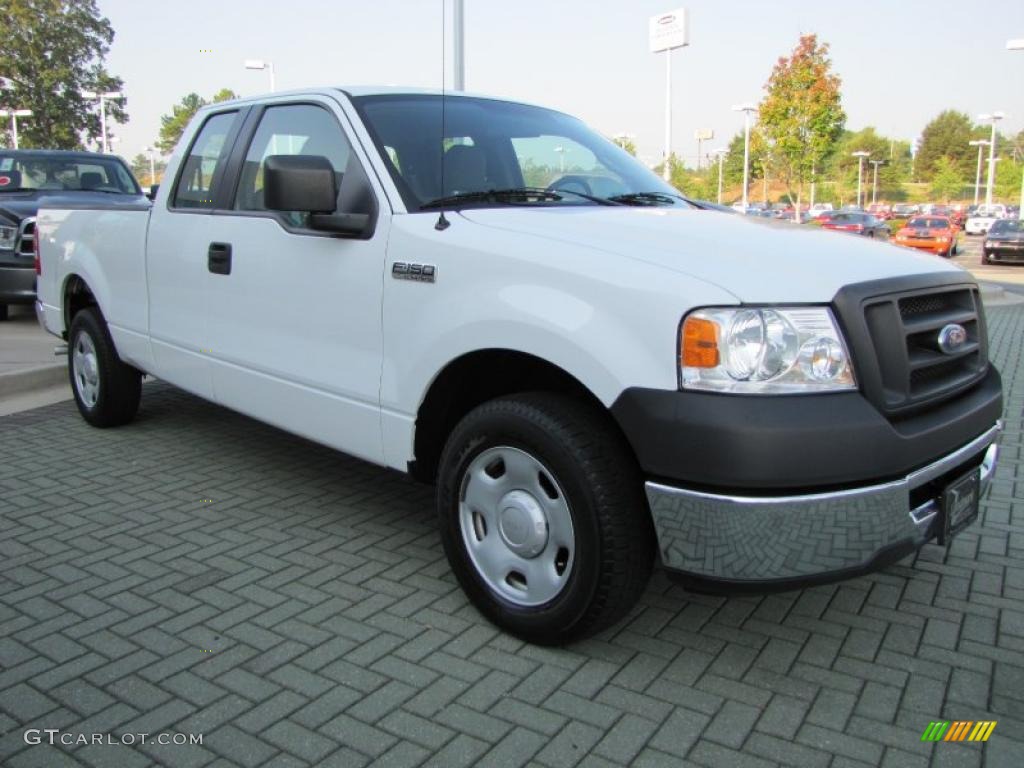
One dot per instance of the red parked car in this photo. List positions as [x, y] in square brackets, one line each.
[881, 211]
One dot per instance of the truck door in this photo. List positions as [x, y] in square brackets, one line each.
[177, 258]
[295, 317]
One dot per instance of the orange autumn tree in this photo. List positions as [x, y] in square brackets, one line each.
[801, 115]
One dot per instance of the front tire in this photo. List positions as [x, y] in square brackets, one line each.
[106, 390]
[3, 312]
[543, 518]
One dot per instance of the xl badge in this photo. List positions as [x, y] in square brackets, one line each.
[424, 273]
[952, 337]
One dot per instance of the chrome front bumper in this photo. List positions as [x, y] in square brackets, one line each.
[781, 538]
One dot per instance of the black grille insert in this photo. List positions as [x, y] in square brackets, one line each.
[26, 240]
[904, 331]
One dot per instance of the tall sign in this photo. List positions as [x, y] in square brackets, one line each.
[669, 31]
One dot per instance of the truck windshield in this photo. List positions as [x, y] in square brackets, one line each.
[517, 151]
[46, 172]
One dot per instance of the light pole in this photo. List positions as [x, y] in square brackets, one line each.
[746, 109]
[103, 98]
[874, 181]
[979, 143]
[721, 152]
[151, 151]
[860, 155]
[623, 139]
[261, 64]
[459, 45]
[1018, 45]
[561, 158]
[994, 117]
[14, 114]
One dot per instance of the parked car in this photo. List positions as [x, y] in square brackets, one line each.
[881, 211]
[1005, 242]
[857, 223]
[983, 219]
[586, 386]
[935, 234]
[818, 209]
[904, 210]
[29, 176]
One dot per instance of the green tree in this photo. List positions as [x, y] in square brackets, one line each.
[947, 135]
[174, 124]
[801, 115]
[732, 169]
[1008, 178]
[50, 52]
[627, 143]
[947, 179]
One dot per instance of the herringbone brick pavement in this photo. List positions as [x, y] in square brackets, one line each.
[198, 572]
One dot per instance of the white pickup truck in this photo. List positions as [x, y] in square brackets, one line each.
[595, 372]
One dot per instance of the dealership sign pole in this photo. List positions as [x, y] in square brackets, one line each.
[668, 31]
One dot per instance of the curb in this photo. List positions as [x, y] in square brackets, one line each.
[30, 379]
[994, 295]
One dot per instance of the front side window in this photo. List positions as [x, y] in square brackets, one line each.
[206, 157]
[294, 129]
[486, 145]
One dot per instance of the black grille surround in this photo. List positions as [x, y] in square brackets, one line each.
[892, 327]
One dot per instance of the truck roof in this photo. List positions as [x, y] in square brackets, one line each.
[67, 154]
[368, 90]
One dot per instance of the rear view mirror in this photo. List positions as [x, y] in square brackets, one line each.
[299, 183]
[153, 189]
[307, 183]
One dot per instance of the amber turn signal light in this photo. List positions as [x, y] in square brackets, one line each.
[699, 343]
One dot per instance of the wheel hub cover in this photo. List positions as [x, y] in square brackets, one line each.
[523, 524]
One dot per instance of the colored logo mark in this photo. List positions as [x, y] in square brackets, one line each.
[959, 730]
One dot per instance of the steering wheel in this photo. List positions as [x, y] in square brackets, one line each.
[571, 183]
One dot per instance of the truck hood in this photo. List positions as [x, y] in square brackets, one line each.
[756, 260]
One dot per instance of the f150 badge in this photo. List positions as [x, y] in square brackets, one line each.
[423, 273]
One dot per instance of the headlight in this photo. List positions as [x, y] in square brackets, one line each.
[7, 237]
[764, 351]
[990, 243]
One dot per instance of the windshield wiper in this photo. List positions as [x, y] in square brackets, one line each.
[520, 195]
[647, 198]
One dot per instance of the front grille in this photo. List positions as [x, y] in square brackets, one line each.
[912, 369]
[26, 238]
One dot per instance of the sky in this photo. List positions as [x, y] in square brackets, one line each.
[901, 63]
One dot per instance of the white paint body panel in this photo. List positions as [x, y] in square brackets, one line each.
[312, 334]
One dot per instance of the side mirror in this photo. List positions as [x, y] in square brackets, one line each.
[307, 183]
[153, 189]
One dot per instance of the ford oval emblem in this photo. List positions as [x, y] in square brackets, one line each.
[952, 337]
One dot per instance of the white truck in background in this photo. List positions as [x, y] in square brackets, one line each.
[595, 371]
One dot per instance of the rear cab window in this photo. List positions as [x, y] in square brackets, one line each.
[203, 167]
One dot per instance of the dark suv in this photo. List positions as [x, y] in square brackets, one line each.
[27, 176]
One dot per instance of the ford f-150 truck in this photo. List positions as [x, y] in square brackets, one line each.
[595, 371]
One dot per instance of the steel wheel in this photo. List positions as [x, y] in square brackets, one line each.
[516, 525]
[85, 369]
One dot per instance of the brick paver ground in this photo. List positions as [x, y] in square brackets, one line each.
[198, 572]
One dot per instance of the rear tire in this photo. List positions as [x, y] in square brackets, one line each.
[3, 312]
[106, 390]
[533, 482]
